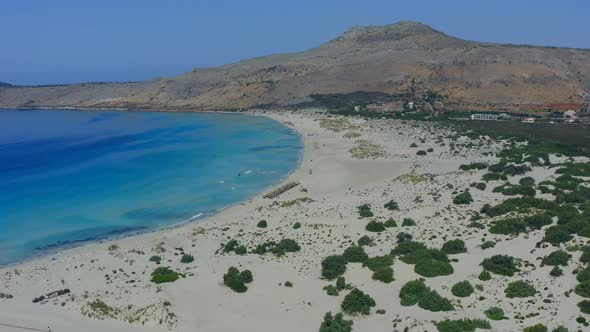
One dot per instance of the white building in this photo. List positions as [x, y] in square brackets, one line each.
[571, 114]
[528, 120]
[484, 116]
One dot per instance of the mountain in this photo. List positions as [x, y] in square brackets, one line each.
[398, 60]
[5, 85]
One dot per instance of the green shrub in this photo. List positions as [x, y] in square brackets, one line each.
[402, 236]
[500, 264]
[241, 250]
[357, 302]
[378, 262]
[408, 222]
[421, 153]
[481, 186]
[484, 275]
[375, 226]
[560, 328]
[557, 234]
[431, 268]
[462, 325]
[336, 323]
[495, 313]
[288, 284]
[236, 280]
[462, 289]
[262, 224]
[527, 181]
[509, 226]
[432, 301]
[384, 274]
[284, 246]
[365, 211]
[391, 205]
[583, 289]
[463, 198]
[584, 306]
[454, 247]
[491, 177]
[416, 292]
[556, 272]
[583, 274]
[355, 254]
[230, 245]
[333, 266]
[390, 223]
[536, 328]
[297, 225]
[155, 259]
[411, 292]
[163, 275]
[472, 166]
[555, 258]
[331, 290]
[537, 221]
[365, 241]
[340, 283]
[519, 289]
[407, 247]
[187, 259]
[488, 245]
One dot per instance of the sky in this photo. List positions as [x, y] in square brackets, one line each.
[73, 41]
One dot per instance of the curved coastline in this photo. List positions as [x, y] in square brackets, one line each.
[70, 246]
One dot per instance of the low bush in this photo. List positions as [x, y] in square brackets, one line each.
[462, 289]
[241, 250]
[365, 241]
[357, 302]
[583, 289]
[288, 284]
[335, 323]
[365, 211]
[583, 274]
[556, 272]
[509, 226]
[331, 290]
[473, 166]
[384, 274]
[333, 266]
[155, 259]
[558, 257]
[495, 313]
[284, 246]
[390, 223]
[484, 276]
[519, 289]
[230, 245]
[527, 181]
[236, 280]
[262, 224]
[584, 306]
[421, 153]
[454, 247]
[462, 325]
[402, 236]
[297, 225]
[378, 262]
[187, 259]
[488, 245]
[416, 292]
[431, 268]
[408, 222]
[557, 234]
[355, 254]
[536, 328]
[463, 198]
[163, 275]
[340, 283]
[391, 205]
[500, 264]
[375, 226]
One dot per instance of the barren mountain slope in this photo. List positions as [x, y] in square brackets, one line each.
[387, 59]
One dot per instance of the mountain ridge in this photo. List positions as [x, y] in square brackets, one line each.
[393, 59]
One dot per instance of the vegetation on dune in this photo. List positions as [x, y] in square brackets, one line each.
[365, 211]
[163, 275]
[462, 289]
[365, 240]
[391, 205]
[375, 226]
[555, 258]
[536, 328]
[408, 222]
[357, 302]
[187, 259]
[355, 254]
[519, 289]
[452, 247]
[416, 292]
[236, 279]
[500, 264]
[262, 224]
[462, 325]
[463, 198]
[335, 323]
[390, 223]
[495, 313]
[333, 266]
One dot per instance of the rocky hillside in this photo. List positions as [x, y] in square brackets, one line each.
[399, 59]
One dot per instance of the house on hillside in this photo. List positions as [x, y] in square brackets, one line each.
[486, 116]
[379, 107]
[570, 114]
[528, 120]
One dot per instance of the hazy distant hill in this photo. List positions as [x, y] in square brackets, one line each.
[5, 85]
[394, 59]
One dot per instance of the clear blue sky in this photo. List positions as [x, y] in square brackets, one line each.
[69, 41]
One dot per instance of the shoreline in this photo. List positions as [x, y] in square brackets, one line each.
[64, 248]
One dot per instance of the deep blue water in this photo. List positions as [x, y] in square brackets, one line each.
[67, 177]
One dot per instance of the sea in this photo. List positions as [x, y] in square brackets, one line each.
[73, 177]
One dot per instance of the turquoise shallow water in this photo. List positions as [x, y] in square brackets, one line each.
[69, 177]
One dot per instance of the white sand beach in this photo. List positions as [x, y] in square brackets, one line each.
[347, 162]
